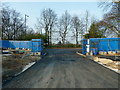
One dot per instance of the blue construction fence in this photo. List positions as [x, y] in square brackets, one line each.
[101, 44]
[36, 45]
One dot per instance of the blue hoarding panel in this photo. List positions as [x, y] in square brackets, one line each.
[37, 40]
[5, 43]
[102, 44]
[36, 44]
[118, 44]
[11, 44]
[95, 51]
[0, 43]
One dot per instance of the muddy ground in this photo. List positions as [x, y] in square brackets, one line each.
[12, 64]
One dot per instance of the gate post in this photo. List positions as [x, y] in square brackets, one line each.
[88, 46]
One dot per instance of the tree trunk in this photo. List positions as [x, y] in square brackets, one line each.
[76, 37]
[50, 39]
[63, 40]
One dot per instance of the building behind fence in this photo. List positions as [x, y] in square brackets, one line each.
[97, 45]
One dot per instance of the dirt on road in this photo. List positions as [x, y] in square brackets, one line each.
[13, 64]
[63, 68]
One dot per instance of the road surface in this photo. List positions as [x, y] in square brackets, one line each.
[63, 68]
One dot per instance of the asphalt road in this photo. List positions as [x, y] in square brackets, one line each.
[63, 68]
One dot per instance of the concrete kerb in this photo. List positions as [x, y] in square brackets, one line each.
[28, 66]
[97, 60]
[81, 54]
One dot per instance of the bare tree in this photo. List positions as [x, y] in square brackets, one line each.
[47, 22]
[5, 22]
[17, 24]
[111, 19]
[78, 27]
[86, 20]
[105, 4]
[12, 24]
[0, 25]
[30, 31]
[64, 25]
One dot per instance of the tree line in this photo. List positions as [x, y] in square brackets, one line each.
[49, 24]
[107, 27]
